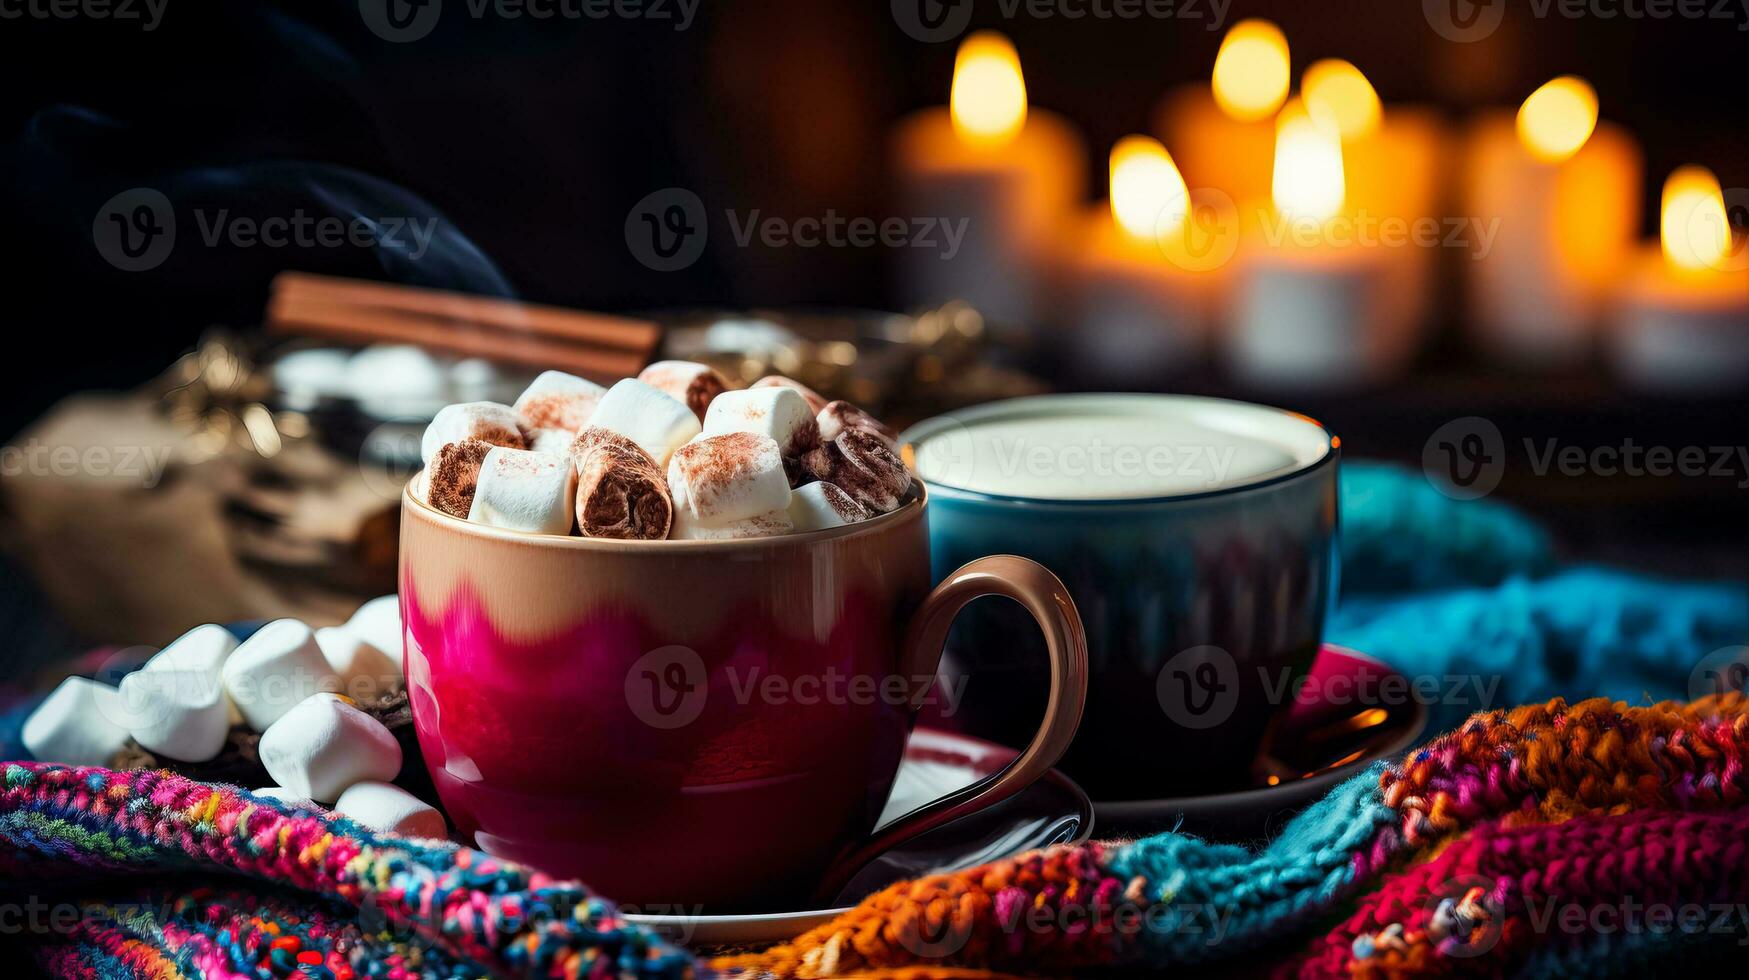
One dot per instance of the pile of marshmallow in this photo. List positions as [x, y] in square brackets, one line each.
[673, 453]
[316, 744]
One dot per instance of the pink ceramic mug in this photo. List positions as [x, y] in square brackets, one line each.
[697, 724]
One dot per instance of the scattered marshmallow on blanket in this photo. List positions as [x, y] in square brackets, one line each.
[819, 505]
[816, 402]
[695, 385]
[715, 480]
[378, 622]
[648, 416]
[365, 670]
[488, 422]
[325, 745]
[780, 413]
[757, 526]
[276, 669]
[525, 491]
[176, 704]
[79, 724]
[386, 807]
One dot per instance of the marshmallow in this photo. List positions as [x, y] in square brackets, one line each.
[757, 526]
[718, 479]
[864, 465]
[282, 795]
[781, 413]
[694, 384]
[621, 493]
[556, 442]
[815, 401]
[525, 491]
[306, 376]
[274, 670]
[821, 505]
[838, 416]
[486, 421]
[392, 380]
[378, 622]
[475, 379]
[647, 416]
[389, 808]
[324, 745]
[79, 724]
[557, 400]
[364, 669]
[176, 704]
[452, 475]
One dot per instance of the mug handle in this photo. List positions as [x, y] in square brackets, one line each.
[1044, 596]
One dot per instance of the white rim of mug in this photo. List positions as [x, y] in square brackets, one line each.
[913, 438]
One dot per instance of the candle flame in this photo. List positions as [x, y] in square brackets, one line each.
[1693, 226]
[1557, 119]
[1308, 180]
[1336, 90]
[1148, 194]
[988, 100]
[1251, 71]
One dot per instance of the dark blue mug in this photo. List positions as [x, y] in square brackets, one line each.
[1197, 537]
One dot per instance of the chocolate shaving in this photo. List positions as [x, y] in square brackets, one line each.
[621, 493]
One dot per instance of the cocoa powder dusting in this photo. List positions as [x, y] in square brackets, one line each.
[558, 411]
[455, 472]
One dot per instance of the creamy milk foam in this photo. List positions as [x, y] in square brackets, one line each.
[1103, 447]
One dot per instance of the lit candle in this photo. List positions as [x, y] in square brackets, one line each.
[1011, 174]
[1391, 161]
[1562, 192]
[1683, 324]
[1310, 308]
[1141, 276]
[1224, 132]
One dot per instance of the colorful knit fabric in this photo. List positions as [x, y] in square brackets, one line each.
[350, 902]
[1476, 854]
[1554, 839]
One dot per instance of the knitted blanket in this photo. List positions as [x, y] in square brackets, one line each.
[1551, 838]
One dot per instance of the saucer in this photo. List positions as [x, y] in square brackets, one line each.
[1051, 811]
[1352, 711]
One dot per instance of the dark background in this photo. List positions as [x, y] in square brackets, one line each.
[535, 138]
